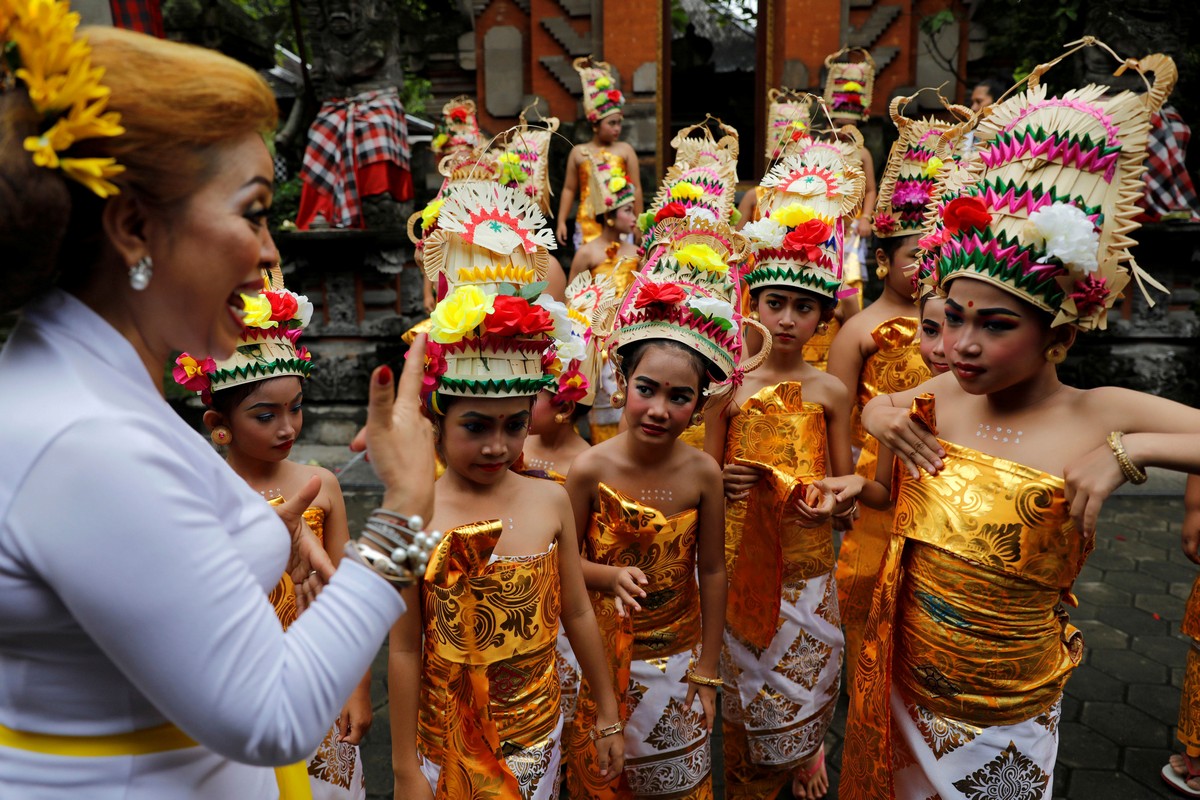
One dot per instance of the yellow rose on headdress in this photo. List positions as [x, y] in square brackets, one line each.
[439, 141]
[685, 190]
[459, 313]
[701, 257]
[616, 184]
[852, 86]
[793, 214]
[509, 157]
[256, 312]
[932, 167]
[429, 214]
[603, 82]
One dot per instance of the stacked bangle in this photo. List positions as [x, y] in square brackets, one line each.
[601, 733]
[395, 546]
[702, 680]
[1132, 472]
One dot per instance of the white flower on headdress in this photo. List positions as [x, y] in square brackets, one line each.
[701, 213]
[304, 310]
[563, 326]
[711, 307]
[764, 232]
[570, 349]
[1066, 233]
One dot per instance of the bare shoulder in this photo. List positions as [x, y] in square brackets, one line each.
[821, 387]
[698, 465]
[539, 490]
[624, 149]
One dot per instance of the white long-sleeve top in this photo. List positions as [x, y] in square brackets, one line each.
[134, 571]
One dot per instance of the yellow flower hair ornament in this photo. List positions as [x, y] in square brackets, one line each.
[701, 257]
[64, 88]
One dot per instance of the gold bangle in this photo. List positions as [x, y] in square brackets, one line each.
[1132, 472]
[611, 730]
[701, 680]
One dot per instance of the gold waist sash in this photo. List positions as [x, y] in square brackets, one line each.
[765, 547]
[967, 618]
[292, 779]
[489, 683]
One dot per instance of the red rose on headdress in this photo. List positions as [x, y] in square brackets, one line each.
[458, 114]
[675, 209]
[965, 213]
[512, 316]
[807, 238]
[283, 306]
[667, 294]
[614, 96]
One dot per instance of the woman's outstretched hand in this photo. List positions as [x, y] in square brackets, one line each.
[398, 438]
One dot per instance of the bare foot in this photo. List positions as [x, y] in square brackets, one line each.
[1180, 764]
[810, 781]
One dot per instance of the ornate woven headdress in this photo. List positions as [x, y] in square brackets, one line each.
[798, 241]
[272, 323]
[524, 160]
[701, 183]
[581, 329]
[462, 165]
[907, 186]
[849, 85]
[609, 186]
[487, 337]
[687, 290]
[1051, 196]
[458, 129]
[601, 97]
[788, 116]
[41, 52]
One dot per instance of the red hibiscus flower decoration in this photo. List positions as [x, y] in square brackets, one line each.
[965, 213]
[932, 241]
[667, 294]
[434, 367]
[283, 306]
[674, 209]
[572, 385]
[885, 223]
[807, 238]
[303, 354]
[1090, 294]
[192, 374]
[512, 316]
[458, 114]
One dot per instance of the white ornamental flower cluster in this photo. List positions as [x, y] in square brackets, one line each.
[765, 232]
[711, 307]
[568, 338]
[1066, 233]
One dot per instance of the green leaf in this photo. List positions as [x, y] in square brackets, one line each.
[532, 290]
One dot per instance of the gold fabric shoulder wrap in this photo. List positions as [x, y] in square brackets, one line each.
[625, 533]
[619, 270]
[283, 596]
[816, 349]
[765, 548]
[489, 682]
[894, 367]
[968, 616]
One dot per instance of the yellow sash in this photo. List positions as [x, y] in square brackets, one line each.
[292, 779]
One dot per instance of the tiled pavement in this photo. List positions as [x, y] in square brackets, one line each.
[1119, 713]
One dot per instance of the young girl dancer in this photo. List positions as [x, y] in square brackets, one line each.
[959, 684]
[653, 513]
[255, 414]
[484, 718]
[876, 352]
[786, 429]
[602, 103]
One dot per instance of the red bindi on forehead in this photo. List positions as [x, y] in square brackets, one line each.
[970, 304]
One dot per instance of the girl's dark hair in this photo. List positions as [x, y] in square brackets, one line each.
[892, 244]
[827, 303]
[224, 401]
[631, 355]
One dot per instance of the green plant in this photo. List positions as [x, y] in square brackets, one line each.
[416, 94]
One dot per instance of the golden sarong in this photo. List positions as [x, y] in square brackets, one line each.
[1189, 702]
[283, 596]
[585, 218]
[489, 687]
[666, 746]
[816, 349]
[968, 620]
[783, 644]
[895, 367]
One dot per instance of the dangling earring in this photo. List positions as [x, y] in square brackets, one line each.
[754, 315]
[560, 418]
[822, 327]
[221, 435]
[1056, 353]
[140, 273]
[697, 418]
[882, 271]
[609, 222]
[617, 399]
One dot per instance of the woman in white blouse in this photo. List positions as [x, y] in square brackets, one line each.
[139, 657]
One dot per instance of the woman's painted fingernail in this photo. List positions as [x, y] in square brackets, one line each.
[385, 375]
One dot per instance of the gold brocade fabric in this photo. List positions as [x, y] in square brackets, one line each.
[894, 367]
[585, 218]
[967, 619]
[816, 349]
[1189, 702]
[623, 532]
[776, 431]
[489, 680]
[283, 596]
[693, 436]
[602, 433]
[619, 270]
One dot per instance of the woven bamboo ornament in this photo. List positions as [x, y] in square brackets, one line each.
[702, 181]
[799, 240]
[463, 165]
[487, 335]
[273, 321]
[687, 291]
[524, 159]
[601, 98]
[1053, 189]
[608, 185]
[459, 128]
[908, 184]
[849, 85]
[788, 116]
[591, 310]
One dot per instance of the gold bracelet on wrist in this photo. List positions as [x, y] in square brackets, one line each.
[1132, 472]
[599, 733]
[702, 680]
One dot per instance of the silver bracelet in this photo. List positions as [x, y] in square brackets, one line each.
[394, 546]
